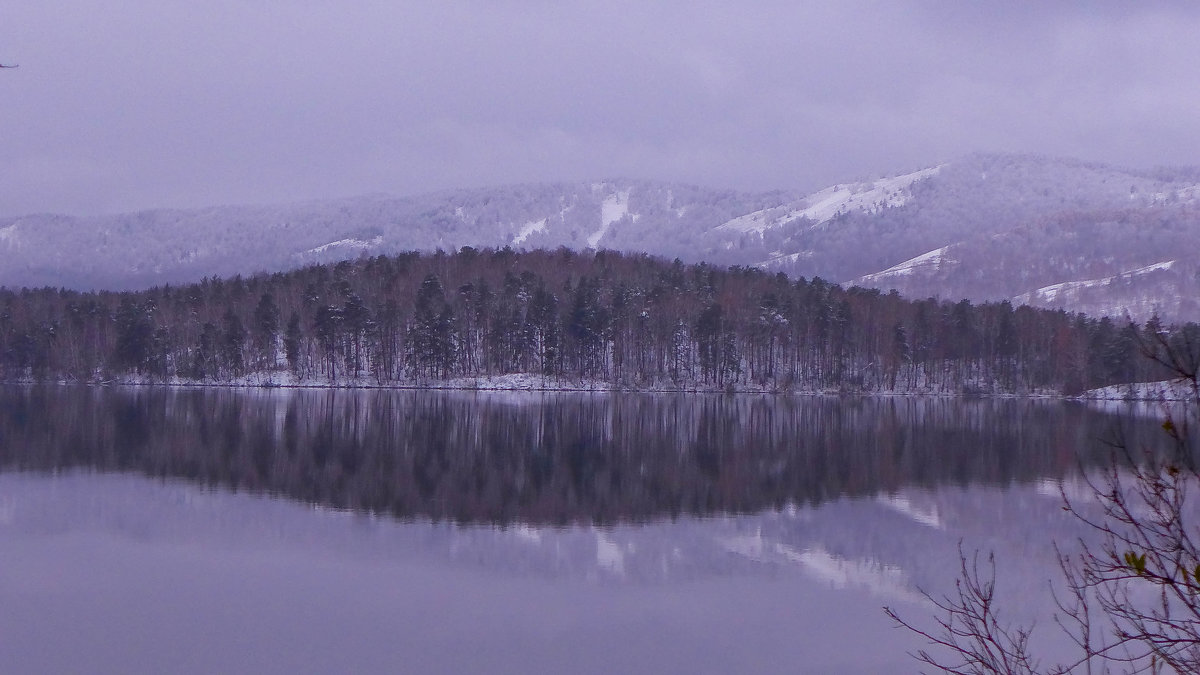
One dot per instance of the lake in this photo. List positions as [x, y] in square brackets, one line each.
[219, 530]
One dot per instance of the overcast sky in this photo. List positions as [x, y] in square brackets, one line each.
[123, 106]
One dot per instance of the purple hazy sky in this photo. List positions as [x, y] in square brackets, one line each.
[123, 106]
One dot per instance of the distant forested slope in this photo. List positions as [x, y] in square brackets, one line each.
[626, 320]
[1054, 233]
[138, 250]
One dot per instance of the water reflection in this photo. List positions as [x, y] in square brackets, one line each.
[127, 575]
[813, 512]
[551, 459]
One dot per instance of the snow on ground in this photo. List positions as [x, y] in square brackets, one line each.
[613, 209]
[288, 380]
[1184, 195]
[679, 211]
[1054, 292]
[533, 384]
[529, 228]
[779, 260]
[522, 382]
[8, 235]
[883, 193]
[926, 261]
[1166, 390]
[1188, 195]
[758, 221]
[360, 244]
[824, 205]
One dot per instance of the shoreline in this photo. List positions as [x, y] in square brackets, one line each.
[539, 384]
[1161, 391]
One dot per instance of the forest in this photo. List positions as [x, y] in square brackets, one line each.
[628, 321]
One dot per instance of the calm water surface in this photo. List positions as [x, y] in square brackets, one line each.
[208, 530]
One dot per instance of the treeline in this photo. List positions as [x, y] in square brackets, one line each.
[626, 319]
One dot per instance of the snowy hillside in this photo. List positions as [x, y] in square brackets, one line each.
[141, 249]
[1130, 261]
[1052, 232]
[1055, 233]
[822, 206]
[930, 261]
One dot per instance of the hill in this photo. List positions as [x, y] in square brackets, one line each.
[559, 319]
[1050, 232]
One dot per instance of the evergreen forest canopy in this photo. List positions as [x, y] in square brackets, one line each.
[626, 320]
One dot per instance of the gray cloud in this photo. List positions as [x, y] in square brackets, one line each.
[174, 103]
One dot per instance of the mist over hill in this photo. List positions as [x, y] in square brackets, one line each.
[141, 249]
[1048, 232]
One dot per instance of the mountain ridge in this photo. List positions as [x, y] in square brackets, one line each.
[1005, 226]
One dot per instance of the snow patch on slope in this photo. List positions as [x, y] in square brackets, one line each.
[758, 221]
[613, 208]
[822, 206]
[344, 245]
[780, 260]
[529, 228]
[929, 261]
[1185, 195]
[880, 194]
[1054, 292]
[8, 235]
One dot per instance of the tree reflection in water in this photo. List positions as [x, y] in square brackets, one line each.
[547, 459]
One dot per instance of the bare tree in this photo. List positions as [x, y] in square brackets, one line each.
[975, 636]
[1130, 600]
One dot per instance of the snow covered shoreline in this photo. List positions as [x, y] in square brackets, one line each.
[523, 382]
[1165, 390]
